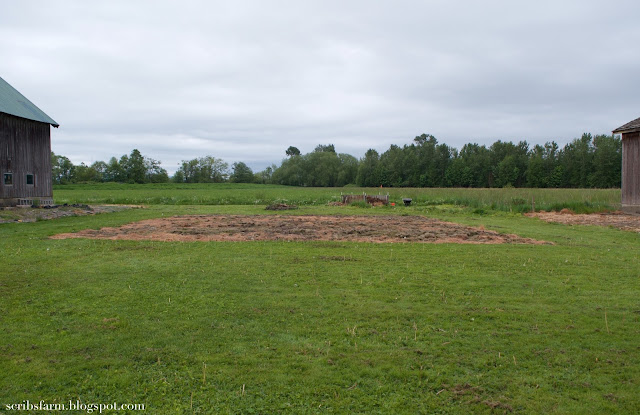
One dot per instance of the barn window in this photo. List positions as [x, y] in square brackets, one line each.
[30, 179]
[8, 178]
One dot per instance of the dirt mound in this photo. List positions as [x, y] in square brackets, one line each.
[300, 228]
[33, 214]
[281, 206]
[618, 220]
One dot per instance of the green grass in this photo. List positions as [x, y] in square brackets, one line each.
[322, 327]
[509, 200]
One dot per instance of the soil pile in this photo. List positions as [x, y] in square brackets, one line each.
[281, 206]
[33, 214]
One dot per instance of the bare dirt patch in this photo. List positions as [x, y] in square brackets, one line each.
[615, 219]
[301, 228]
[33, 214]
[281, 206]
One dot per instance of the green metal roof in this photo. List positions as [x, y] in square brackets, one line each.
[14, 103]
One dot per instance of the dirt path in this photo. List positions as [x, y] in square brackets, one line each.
[616, 219]
[301, 228]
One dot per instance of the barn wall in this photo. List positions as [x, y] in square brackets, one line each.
[631, 169]
[25, 148]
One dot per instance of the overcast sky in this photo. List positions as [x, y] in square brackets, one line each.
[243, 80]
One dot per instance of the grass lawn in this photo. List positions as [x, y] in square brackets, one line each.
[322, 327]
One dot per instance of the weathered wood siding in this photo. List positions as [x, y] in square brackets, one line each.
[371, 199]
[631, 169]
[25, 148]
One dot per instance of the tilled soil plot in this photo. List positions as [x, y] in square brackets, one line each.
[616, 219]
[301, 228]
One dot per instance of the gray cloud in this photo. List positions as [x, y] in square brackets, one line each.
[244, 80]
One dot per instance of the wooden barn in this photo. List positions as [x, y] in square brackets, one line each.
[630, 165]
[25, 150]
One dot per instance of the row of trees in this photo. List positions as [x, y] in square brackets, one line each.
[213, 170]
[136, 168]
[322, 168]
[587, 161]
[132, 168]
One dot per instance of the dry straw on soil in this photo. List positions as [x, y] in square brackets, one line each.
[615, 219]
[301, 228]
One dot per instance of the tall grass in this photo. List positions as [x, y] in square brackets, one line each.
[504, 199]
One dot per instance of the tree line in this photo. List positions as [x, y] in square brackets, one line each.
[586, 162]
[132, 168]
[136, 168]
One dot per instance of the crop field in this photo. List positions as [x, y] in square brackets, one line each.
[544, 319]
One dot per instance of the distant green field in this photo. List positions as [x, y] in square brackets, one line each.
[320, 327]
[511, 199]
